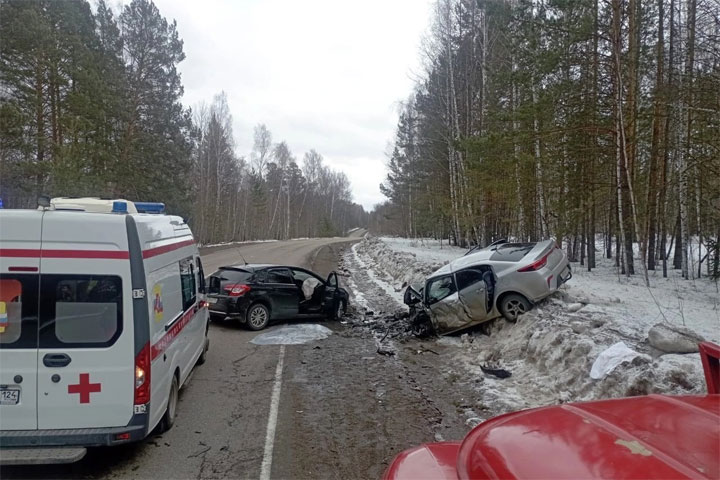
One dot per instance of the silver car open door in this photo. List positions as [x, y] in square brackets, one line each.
[473, 293]
[447, 312]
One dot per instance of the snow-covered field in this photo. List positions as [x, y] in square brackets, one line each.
[551, 349]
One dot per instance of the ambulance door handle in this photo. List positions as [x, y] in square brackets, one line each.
[172, 322]
[56, 360]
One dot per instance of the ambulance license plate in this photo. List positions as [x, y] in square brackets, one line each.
[9, 396]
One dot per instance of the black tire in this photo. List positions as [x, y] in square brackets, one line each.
[168, 419]
[203, 356]
[339, 310]
[257, 317]
[513, 305]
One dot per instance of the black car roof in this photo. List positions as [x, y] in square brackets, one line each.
[253, 267]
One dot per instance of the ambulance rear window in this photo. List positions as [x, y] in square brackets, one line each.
[11, 310]
[80, 310]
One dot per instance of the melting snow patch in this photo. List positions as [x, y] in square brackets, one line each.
[611, 358]
[293, 335]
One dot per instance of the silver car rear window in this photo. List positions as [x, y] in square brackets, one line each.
[511, 252]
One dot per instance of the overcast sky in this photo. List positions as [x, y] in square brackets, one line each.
[322, 74]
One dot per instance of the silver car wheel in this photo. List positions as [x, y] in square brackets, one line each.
[258, 317]
[513, 306]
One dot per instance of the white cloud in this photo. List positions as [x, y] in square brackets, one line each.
[322, 74]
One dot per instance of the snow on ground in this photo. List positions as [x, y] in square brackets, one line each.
[376, 275]
[225, 244]
[691, 303]
[551, 349]
[430, 250]
[296, 334]
[245, 242]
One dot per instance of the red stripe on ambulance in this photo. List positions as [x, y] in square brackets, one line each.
[161, 345]
[166, 248]
[37, 253]
[102, 254]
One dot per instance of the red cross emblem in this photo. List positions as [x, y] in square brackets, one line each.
[84, 388]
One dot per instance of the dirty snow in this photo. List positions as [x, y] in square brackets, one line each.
[550, 350]
[227, 244]
[293, 335]
[611, 357]
[365, 262]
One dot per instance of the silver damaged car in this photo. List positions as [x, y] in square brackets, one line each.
[502, 279]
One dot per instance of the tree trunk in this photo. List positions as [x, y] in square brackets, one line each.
[685, 145]
[619, 129]
[669, 90]
[658, 127]
[538, 166]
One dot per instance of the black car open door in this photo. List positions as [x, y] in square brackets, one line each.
[330, 293]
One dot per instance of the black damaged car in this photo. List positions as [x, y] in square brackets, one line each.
[255, 295]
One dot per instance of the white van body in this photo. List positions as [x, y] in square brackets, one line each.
[87, 302]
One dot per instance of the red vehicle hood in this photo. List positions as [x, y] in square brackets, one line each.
[429, 461]
[652, 436]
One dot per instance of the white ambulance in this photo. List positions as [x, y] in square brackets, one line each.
[102, 319]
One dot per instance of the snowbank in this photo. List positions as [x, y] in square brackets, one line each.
[397, 267]
[551, 363]
[228, 244]
[550, 350]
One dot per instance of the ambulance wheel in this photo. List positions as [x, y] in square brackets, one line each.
[258, 317]
[168, 418]
[203, 356]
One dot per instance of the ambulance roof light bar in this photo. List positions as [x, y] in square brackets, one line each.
[150, 207]
[119, 207]
[93, 205]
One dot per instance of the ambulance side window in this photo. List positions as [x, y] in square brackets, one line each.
[187, 280]
[80, 310]
[18, 311]
[201, 277]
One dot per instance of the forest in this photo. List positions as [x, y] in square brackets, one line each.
[91, 106]
[594, 122]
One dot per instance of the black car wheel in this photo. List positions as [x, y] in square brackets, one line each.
[258, 317]
[513, 305]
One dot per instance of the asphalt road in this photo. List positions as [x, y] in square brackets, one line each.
[310, 253]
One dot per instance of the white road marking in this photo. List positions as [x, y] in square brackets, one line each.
[272, 419]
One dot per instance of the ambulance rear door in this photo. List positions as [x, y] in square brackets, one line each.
[19, 283]
[86, 346]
